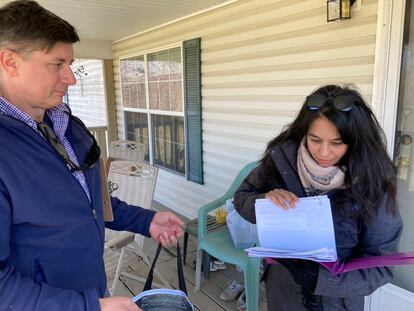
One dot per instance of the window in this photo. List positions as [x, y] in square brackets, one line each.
[133, 82]
[155, 98]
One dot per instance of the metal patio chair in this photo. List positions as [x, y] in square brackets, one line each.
[133, 183]
[127, 150]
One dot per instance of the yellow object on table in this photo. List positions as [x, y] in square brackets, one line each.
[221, 215]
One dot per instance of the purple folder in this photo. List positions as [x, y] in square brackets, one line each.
[340, 266]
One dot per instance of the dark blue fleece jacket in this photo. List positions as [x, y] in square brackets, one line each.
[51, 245]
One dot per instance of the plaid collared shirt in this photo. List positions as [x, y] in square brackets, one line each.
[60, 120]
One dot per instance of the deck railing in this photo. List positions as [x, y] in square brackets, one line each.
[101, 136]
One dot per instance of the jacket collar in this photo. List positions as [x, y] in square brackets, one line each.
[284, 157]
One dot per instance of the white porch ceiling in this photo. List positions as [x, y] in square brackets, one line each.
[111, 20]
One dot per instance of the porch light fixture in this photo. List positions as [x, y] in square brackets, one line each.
[338, 9]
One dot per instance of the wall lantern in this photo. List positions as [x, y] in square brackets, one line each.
[338, 9]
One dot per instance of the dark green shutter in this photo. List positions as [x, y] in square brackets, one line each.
[192, 98]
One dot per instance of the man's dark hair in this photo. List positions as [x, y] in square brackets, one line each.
[26, 26]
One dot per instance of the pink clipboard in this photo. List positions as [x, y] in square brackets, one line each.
[339, 266]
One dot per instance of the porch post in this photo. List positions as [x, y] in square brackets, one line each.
[109, 88]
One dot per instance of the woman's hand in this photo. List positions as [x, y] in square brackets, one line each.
[118, 303]
[283, 198]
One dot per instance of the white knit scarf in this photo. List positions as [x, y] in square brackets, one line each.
[315, 178]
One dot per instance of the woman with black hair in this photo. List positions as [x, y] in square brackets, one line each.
[335, 146]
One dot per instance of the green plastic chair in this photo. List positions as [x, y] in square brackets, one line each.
[220, 245]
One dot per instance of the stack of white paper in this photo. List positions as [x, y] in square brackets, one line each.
[305, 231]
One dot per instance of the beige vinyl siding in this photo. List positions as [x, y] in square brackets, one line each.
[87, 96]
[260, 58]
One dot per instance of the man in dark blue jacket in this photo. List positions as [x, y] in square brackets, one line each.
[51, 215]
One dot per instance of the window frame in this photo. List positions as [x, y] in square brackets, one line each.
[149, 112]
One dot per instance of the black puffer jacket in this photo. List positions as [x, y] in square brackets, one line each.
[355, 236]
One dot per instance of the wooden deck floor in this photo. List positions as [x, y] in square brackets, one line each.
[207, 299]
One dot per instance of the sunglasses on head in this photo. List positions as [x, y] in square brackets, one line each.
[341, 102]
[92, 156]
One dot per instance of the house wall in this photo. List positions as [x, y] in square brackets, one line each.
[260, 58]
[87, 97]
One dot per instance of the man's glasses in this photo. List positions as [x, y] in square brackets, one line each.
[91, 157]
[340, 102]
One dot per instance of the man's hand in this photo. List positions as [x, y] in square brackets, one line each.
[166, 228]
[118, 303]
